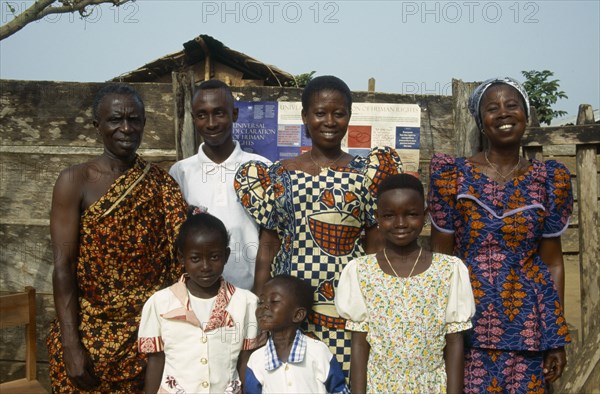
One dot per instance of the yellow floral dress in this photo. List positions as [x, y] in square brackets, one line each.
[406, 320]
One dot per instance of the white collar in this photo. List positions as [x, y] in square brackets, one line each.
[231, 163]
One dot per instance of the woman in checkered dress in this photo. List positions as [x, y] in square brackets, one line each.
[316, 211]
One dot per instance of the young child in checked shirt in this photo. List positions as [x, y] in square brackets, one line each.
[198, 333]
[290, 362]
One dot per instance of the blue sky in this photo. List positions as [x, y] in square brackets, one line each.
[407, 46]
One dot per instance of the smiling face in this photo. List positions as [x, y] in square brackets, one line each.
[214, 115]
[203, 255]
[401, 216]
[120, 123]
[277, 309]
[503, 115]
[327, 118]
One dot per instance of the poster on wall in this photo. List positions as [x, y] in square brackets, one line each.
[256, 127]
[275, 130]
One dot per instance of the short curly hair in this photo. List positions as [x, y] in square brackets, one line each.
[401, 181]
[298, 289]
[116, 88]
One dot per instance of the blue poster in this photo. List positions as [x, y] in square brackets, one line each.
[256, 128]
[407, 137]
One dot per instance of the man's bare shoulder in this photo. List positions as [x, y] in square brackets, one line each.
[80, 174]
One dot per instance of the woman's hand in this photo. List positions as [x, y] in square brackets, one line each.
[555, 361]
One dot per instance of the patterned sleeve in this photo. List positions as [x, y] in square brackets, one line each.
[257, 193]
[250, 323]
[381, 162]
[559, 204]
[441, 199]
[149, 332]
[461, 303]
[349, 301]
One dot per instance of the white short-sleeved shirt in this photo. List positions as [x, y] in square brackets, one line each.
[200, 357]
[310, 368]
[207, 184]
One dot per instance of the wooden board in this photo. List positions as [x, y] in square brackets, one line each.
[43, 113]
[28, 180]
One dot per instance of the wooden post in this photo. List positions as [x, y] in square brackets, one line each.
[185, 137]
[371, 87]
[587, 189]
[533, 152]
[468, 137]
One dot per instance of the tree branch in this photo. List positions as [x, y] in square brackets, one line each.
[42, 8]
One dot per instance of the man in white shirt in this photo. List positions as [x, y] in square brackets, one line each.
[206, 179]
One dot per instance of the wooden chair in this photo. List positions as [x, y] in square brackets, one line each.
[19, 310]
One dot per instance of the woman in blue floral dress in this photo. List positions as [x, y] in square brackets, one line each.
[504, 215]
[317, 210]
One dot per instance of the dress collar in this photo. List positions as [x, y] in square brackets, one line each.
[219, 317]
[296, 354]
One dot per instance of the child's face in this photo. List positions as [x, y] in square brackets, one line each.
[277, 309]
[401, 216]
[204, 256]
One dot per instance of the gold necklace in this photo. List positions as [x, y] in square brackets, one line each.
[320, 167]
[493, 167]
[413, 267]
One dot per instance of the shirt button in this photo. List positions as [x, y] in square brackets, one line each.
[204, 339]
[205, 384]
[287, 367]
[203, 360]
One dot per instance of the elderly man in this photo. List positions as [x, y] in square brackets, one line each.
[113, 224]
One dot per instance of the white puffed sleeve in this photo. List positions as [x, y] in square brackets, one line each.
[461, 304]
[150, 329]
[349, 300]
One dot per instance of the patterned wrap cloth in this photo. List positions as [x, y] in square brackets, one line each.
[497, 230]
[319, 220]
[125, 255]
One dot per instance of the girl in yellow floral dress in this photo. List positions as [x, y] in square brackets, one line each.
[404, 304]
